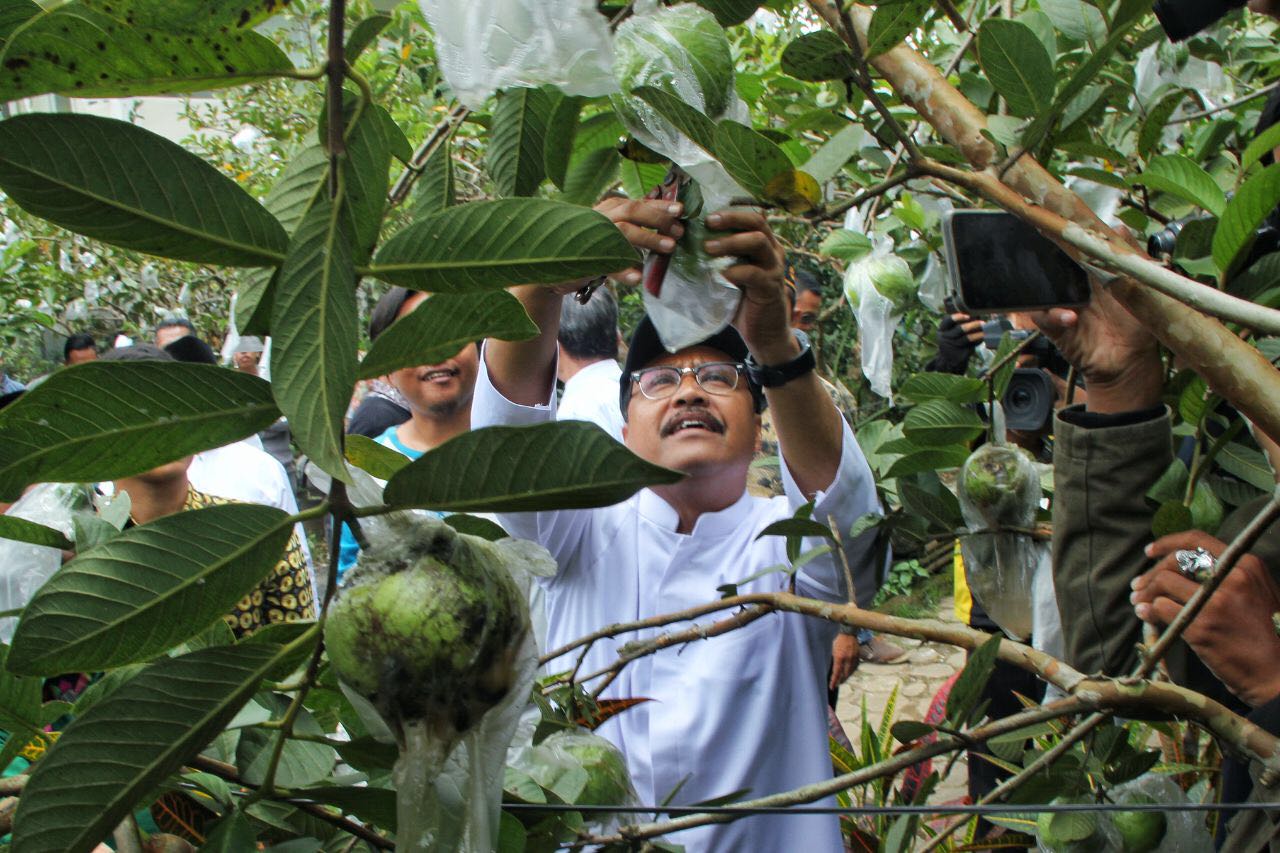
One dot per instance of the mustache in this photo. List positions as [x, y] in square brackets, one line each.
[699, 413]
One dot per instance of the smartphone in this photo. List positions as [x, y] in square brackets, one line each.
[997, 263]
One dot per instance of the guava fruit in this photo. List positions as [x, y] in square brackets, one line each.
[432, 635]
[608, 782]
[890, 275]
[680, 50]
[1074, 832]
[1141, 832]
[999, 486]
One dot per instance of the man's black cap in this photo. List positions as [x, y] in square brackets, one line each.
[646, 346]
[137, 352]
[191, 349]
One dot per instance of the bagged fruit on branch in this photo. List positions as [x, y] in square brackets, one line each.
[878, 287]
[581, 768]
[432, 628]
[484, 47]
[999, 492]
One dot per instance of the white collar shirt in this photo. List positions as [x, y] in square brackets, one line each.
[745, 710]
[591, 394]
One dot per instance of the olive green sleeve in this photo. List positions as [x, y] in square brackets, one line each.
[1101, 521]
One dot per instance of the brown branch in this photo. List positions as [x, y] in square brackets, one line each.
[867, 194]
[336, 70]
[413, 170]
[230, 774]
[953, 15]
[1232, 368]
[1230, 105]
[1224, 564]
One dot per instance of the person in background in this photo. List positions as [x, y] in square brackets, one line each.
[807, 307]
[382, 406]
[168, 331]
[78, 349]
[247, 355]
[438, 395]
[588, 362]
[285, 595]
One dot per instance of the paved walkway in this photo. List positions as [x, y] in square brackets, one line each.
[926, 667]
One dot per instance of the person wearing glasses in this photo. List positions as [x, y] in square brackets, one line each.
[744, 709]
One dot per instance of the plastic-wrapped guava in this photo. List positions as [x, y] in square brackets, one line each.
[877, 287]
[999, 487]
[890, 275]
[580, 768]
[1074, 832]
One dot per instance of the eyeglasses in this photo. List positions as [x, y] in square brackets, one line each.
[716, 377]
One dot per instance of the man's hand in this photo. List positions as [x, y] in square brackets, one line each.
[1116, 355]
[1234, 634]
[649, 224]
[844, 659]
[764, 319]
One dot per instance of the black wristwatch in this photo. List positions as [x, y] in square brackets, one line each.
[773, 375]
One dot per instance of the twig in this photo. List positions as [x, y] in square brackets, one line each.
[1257, 93]
[953, 15]
[336, 71]
[1225, 563]
[229, 773]
[1011, 784]
[867, 194]
[413, 170]
[1210, 300]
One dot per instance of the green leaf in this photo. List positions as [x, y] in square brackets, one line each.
[750, 158]
[828, 160]
[818, 56]
[845, 245]
[928, 459]
[107, 760]
[517, 141]
[890, 24]
[375, 459]
[1261, 145]
[906, 731]
[639, 178]
[1181, 177]
[134, 47]
[939, 422]
[561, 130]
[302, 762]
[13, 13]
[21, 530]
[304, 180]
[730, 12]
[1255, 199]
[141, 191]
[148, 589]
[1157, 117]
[23, 713]
[436, 188]
[315, 336]
[566, 465]
[1099, 176]
[494, 244]
[442, 325]
[700, 129]
[1017, 64]
[1248, 464]
[1172, 517]
[365, 170]
[1206, 509]
[103, 420]
[364, 34]
[474, 525]
[233, 834]
[941, 510]
[1076, 19]
[796, 527]
[969, 686]
[254, 298]
[943, 386]
[590, 175]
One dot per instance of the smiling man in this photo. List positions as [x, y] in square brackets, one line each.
[744, 710]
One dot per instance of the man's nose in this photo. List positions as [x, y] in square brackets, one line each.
[689, 390]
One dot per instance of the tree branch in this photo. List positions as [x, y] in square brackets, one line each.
[1230, 105]
[336, 69]
[866, 195]
[413, 170]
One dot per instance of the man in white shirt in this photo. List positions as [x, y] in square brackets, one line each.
[746, 709]
[588, 363]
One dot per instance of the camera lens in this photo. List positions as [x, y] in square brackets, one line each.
[1028, 401]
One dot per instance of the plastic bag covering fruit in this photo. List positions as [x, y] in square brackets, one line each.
[580, 768]
[877, 312]
[484, 47]
[696, 301]
[448, 663]
[1173, 831]
[25, 567]
[1074, 832]
[999, 487]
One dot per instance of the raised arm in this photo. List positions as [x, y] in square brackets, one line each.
[522, 370]
[807, 423]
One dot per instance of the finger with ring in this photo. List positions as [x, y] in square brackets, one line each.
[1195, 564]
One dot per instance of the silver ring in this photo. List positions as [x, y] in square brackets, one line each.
[1195, 565]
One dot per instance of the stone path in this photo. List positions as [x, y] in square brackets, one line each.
[927, 666]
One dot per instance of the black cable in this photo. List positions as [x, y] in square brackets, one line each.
[995, 808]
